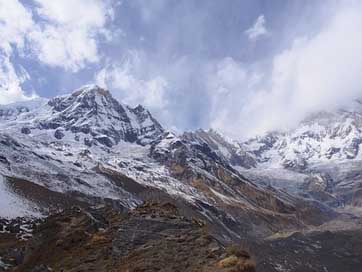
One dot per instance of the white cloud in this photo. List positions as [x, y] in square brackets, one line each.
[321, 72]
[126, 83]
[230, 85]
[65, 34]
[10, 82]
[13, 31]
[315, 72]
[258, 29]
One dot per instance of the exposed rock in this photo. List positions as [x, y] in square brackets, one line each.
[93, 111]
[196, 164]
[228, 151]
[351, 150]
[25, 130]
[297, 164]
[59, 134]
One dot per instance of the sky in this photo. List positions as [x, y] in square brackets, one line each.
[243, 67]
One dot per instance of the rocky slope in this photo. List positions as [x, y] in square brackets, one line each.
[153, 237]
[319, 159]
[88, 149]
[79, 146]
[324, 148]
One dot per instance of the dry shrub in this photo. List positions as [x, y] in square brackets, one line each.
[237, 260]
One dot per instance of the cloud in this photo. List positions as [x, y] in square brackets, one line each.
[228, 85]
[319, 72]
[66, 38]
[13, 31]
[258, 29]
[128, 84]
[190, 83]
[58, 33]
[10, 82]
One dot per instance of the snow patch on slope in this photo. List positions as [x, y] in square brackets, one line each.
[13, 206]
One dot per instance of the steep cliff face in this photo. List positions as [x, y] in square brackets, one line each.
[90, 114]
[232, 197]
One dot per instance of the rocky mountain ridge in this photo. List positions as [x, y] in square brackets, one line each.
[88, 149]
[90, 114]
[319, 159]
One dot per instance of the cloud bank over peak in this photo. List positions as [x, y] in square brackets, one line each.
[314, 70]
[241, 67]
[319, 72]
[125, 79]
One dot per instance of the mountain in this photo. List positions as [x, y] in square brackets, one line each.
[12, 111]
[227, 149]
[88, 146]
[320, 158]
[87, 149]
[89, 114]
[321, 137]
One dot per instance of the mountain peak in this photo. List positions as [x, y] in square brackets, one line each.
[91, 89]
[90, 115]
[89, 99]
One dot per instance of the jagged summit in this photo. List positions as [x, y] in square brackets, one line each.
[90, 115]
[91, 88]
[87, 89]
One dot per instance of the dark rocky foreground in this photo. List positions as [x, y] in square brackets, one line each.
[156, 237]
[153, 237]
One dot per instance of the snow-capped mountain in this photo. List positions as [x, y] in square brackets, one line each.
[227, 149]
[321, 137]
[90, 115]
[319, 159]
[88, 148]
